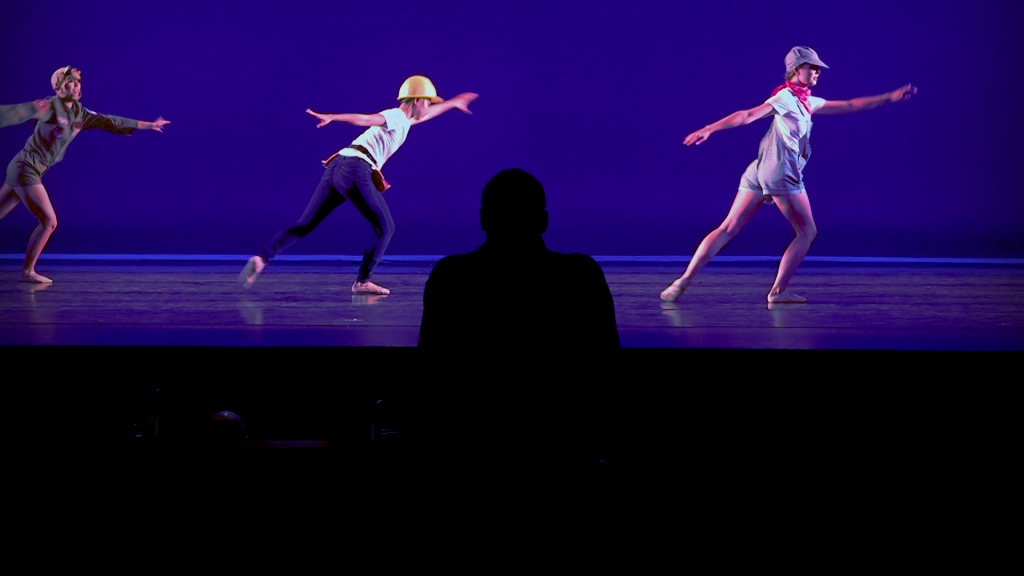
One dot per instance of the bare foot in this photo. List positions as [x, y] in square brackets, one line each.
[674, 290]
[252, 269]
[785, 296]
[34, 278]
[369, 288]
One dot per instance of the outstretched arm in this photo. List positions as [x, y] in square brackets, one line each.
[157, 125]
[731, 121]
[118, 124]
[15, 114]
[355, 119]
[867, 102]
[461, 102]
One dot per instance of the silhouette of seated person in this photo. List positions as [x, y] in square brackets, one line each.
[512, 292]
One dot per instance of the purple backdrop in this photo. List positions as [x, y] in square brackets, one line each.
[592, 98]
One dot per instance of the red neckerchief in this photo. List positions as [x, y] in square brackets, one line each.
[802, 93]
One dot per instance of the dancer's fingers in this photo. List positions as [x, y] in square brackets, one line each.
[324, 121]
[462, 101]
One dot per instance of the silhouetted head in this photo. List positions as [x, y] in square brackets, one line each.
[513, 205]
[225, 425]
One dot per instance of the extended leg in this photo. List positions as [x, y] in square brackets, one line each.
[325, 199]
[743, 207]
[796, 209]
[38, 202]
[8, 200]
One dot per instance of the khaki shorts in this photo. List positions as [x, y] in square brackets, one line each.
[21, 172]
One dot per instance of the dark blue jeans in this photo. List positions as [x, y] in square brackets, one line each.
[345, 178]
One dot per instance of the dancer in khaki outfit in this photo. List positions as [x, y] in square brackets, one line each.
[59, 119]
[776, 176]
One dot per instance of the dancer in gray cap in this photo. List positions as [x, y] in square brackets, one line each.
[776, 176]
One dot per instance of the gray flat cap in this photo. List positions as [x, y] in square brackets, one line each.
[803, 55]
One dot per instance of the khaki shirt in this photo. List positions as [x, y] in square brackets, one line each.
[59, 125]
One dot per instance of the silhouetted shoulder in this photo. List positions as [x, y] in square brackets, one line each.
[577, 259]
[444, 310]
[451, 265]
[579, 264]
[455, 260]
[530, 299]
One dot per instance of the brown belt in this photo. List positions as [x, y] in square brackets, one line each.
[355, 147]
[378, 177]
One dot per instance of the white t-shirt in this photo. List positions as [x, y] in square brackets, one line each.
[382, 141]
[792, 122]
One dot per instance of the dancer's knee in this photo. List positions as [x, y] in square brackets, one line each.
[49, 224]
[387, 229]
[729, 229]
[300, 230]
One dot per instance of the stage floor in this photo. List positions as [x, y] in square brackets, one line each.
[970, 307]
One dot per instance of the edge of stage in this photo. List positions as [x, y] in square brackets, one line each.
[194, 301]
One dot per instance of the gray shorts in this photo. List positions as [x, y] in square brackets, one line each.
[21, 172]
[750, 181]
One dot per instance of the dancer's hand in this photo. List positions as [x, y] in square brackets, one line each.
[698, 136]
[158, 125]
[462, 101]
[903, 93]
[325, 119]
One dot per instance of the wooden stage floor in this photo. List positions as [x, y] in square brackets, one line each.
[968, 307]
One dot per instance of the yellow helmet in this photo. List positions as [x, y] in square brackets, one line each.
[419, 87]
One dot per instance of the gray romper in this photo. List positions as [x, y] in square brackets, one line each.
[784, 150]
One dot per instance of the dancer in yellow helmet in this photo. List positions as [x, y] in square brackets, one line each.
[354, 173]
[59, 119]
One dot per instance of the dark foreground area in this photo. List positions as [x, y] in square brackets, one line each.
[392, 424]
